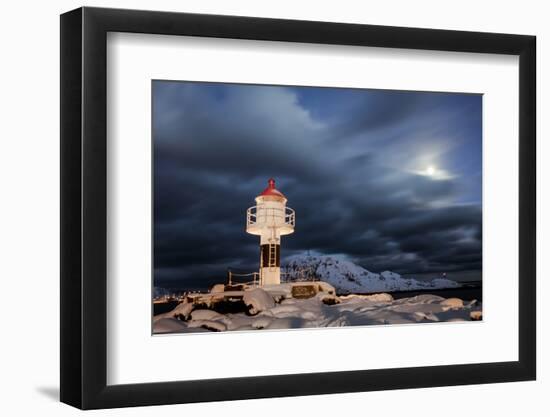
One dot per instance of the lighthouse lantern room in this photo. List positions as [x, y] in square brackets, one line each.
[270, 219]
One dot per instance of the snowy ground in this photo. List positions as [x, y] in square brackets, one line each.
[321, 310]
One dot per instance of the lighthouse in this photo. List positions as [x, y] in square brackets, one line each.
[270, 219]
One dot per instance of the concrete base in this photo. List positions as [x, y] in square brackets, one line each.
[270, 276]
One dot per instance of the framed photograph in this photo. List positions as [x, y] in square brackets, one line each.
[258, 208]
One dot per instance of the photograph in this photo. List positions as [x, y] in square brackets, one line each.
[299, 207]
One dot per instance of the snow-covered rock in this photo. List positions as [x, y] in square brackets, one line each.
[380, 297]
[204, 314]
[350, 310]
[168, 325]
[453, 303]
[181, 311]
[218, 288]
[212, 325]
[258, 300]
[348, 277]
[476, 315]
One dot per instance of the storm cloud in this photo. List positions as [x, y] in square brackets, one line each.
[390, 179]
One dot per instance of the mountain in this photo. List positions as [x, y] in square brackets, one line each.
[347, 277]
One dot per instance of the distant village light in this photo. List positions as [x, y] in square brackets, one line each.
[270, 219]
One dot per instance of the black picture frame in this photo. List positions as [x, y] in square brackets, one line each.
[84, 207]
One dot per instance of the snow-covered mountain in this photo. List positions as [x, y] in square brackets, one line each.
[348, 277]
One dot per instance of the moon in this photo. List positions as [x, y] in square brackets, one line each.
[430, 170]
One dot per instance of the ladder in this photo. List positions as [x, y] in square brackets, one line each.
[272, 255]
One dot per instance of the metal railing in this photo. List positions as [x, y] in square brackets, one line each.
[255, 278]
[287, 215]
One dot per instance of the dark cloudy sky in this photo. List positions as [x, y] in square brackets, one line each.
[391, 179]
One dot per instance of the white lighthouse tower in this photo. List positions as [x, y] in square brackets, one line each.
[270, 219]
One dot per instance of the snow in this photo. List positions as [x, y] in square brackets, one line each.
[347, 277]
[182, 312]
[218, 288]
[212, 325]
[258, 300]
[381, 297]
[204, 315]
[453, 303]
[476, 315]
[169, 325]
[347, 310]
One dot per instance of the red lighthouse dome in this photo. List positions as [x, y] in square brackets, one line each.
[271, 191]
